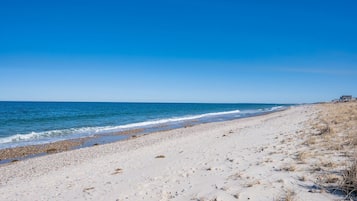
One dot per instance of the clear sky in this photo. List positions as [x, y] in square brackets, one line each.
[178, 50]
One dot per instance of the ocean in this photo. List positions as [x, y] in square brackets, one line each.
[30, 123]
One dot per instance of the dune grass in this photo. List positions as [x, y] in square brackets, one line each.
[349, 180]
[336, 133]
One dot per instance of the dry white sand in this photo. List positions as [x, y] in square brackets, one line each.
[245, 159]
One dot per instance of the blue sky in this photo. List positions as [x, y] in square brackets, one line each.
[178, 51]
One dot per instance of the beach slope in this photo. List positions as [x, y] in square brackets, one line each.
[256, 158]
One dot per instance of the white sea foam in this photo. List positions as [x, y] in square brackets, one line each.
[176, 119]
[277, 108]
[45, 134]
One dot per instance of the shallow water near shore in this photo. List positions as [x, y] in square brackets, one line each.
[33, 123]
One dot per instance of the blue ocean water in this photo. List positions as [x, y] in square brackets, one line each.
[24, 123]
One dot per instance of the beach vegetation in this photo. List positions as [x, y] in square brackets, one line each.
[349, 180]
[334, 140]
[289, 168]
[302, 156]
[302, 178]
[286, 195]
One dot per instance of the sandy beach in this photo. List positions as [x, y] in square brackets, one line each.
[296, 154]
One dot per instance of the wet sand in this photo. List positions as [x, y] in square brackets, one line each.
[25, 152]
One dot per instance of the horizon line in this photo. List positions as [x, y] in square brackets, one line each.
[150, 102]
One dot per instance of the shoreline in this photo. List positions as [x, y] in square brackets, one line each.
[295, 153]
[110, 118]
[14, 154]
